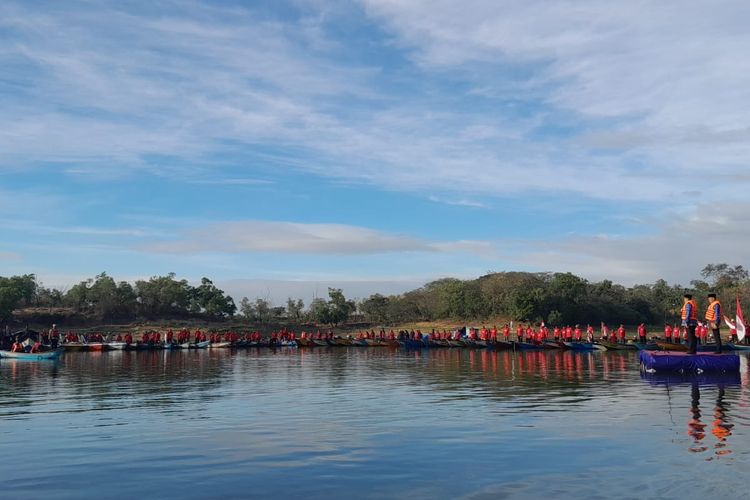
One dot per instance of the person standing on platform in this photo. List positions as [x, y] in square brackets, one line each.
[668, 333]
[689, 315]
[713, 319]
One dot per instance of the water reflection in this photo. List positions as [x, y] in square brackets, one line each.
[361, 419]
[718, 417]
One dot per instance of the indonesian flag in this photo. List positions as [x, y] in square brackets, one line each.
[740, 321]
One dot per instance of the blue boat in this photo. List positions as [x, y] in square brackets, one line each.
[528, 346]
[584, 346]
[673, 361]
[32, 356]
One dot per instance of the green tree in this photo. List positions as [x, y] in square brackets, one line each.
[210, 301]
[294, 309]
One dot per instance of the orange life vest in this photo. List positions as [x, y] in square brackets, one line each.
[693, 311]
[711, 311]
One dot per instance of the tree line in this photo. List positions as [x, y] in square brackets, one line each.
[555, 298]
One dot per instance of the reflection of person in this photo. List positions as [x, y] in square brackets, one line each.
[696, 428]
[720, 428]
[689, 315]
[713, 319]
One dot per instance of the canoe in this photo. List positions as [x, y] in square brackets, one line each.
[669, 346]
[585, 346]
[115, 346]
[552, 344]
[455, 343]
[499, 345]
[527, 346]
[32, 356]
[614, 346]
[201, 345]
[650, 346]
[220, 345]
[74, 346]
[739, 347]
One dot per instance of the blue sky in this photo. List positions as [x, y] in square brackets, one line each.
[282, 147]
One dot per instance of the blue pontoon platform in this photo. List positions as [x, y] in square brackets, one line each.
[682, 362]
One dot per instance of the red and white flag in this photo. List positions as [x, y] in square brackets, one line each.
[740, 322]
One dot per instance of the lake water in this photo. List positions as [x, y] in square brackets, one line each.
[368, 423]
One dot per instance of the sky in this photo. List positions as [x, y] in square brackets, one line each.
[281, 147]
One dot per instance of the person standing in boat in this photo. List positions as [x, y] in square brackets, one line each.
[668, 333]
[605, 331]
[642, 333]
[713, 319]
[689, 315]
[621, 333]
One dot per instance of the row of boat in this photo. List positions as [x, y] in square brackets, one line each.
[601, 345]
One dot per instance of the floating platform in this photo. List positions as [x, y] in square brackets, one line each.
[682, 362]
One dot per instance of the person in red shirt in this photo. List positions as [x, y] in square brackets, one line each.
[519, 333]
[529, 334]
[569, 333]
[556, 333]
[577, 333]
[668, 333]
[621, 334]
[605, 331]
[506, 332]
[642, 333]
[589, 334]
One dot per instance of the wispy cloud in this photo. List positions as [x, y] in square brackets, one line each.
[297, 238]
[523, 96]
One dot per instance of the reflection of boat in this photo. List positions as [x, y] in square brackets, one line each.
[32, 356]
[675, 378]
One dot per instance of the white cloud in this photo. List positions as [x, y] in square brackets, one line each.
[311, 239]
[676, 251]
[648, 90]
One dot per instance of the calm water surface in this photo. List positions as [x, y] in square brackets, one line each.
[370, 423]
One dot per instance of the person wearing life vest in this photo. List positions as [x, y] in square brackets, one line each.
[713, 319]
[605, 331]
[689, 315]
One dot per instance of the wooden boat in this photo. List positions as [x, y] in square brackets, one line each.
[554, 344]
[669, 346]
[220, 345]
[614, 346]
[499, 345]
[527, 346]
[304, 342]
[650, 346]
[455, 343]
[115, 346]
[201, 345]
[320, 342]
[74, 346]
[585, 346]
[359, 342]
[32, 356]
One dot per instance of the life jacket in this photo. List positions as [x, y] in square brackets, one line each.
[668, 332]
[693, 311]
[711, 311]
